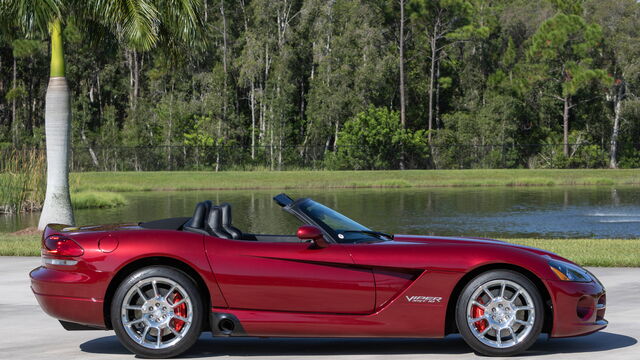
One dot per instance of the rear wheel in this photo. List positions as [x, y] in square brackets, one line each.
[500, 313]
[157, 312]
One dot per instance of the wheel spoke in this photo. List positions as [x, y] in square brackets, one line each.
[154, 284]
[514, 337]
[158, 337]
[175, 332]
[133, 322]
[502, 289]
[142, 295]
[173, 287]
[472, 321]
[144, 335]
[522, 308]
[179, 302]
[522, 322]
[485, 331]
[181, 318]
[499, 337]
[515, 296]
[132, 307]
[486, 290]
[478, 305]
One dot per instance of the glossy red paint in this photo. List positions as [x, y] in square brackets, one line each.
[293, 277]
[308, 232]
[566, 296]
[297, 289]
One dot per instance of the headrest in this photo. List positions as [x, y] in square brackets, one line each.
[214, 218]
[199, 214]
[226, 213]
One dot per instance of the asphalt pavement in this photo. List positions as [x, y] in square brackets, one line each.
[26, 332]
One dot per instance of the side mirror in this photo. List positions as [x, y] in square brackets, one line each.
[310, 232]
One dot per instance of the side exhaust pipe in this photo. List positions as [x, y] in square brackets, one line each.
[223, 324]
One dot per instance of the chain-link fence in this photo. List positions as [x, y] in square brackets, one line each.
[450, 156]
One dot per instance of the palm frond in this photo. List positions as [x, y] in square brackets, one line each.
[137, 22]
[181, 20]
[31, 16]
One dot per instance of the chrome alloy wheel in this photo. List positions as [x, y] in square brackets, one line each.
[156, 312]
[500, 313]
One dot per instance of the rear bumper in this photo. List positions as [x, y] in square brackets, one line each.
[57, 293]
[579, 308]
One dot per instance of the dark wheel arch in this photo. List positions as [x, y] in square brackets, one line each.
[450, 320]
[156, 261]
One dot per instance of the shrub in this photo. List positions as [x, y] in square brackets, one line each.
[374, 140]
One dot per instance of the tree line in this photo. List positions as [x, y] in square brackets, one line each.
[352, 83]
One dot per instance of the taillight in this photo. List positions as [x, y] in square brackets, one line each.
[62, 246]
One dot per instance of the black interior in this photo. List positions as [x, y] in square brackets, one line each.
[216, 220]
[226, 222]
[214, 223]
[166, 224]
[197, 221]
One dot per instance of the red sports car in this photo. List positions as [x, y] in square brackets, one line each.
[159, 284]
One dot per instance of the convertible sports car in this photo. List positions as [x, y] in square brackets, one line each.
[159, 284]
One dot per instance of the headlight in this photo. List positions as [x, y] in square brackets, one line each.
[569, 272]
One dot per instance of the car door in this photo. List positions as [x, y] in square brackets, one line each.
[290, 276]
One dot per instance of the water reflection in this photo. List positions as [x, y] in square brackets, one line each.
[602, 212]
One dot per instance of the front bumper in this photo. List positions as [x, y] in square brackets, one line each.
[578, 308]
[63, 295]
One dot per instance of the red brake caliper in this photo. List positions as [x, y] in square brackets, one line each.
[476, 312]
[180, 310]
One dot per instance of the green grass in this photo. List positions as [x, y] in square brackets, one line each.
[236, 180]
[586, 252]
[96, 199]
[19, 245]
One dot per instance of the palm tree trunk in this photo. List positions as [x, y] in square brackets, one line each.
[57, 203]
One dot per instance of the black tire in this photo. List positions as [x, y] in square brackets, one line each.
[190, 335]
[511, 348]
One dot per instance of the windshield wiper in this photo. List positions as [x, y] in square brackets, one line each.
[369, 232]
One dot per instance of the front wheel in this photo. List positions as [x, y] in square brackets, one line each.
[157, 312]
[500, 313]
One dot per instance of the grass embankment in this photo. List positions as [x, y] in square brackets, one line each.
[235, 180]
[19, 245]
[96, 199]
[586, 252]
[590, 252]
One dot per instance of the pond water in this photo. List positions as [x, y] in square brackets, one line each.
[600, 212]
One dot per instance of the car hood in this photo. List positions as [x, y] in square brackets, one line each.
[433, 240]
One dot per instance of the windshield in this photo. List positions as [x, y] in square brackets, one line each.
[344, 229]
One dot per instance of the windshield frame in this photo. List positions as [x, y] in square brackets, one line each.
[300, 208]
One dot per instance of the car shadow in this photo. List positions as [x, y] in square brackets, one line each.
[208, 346]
